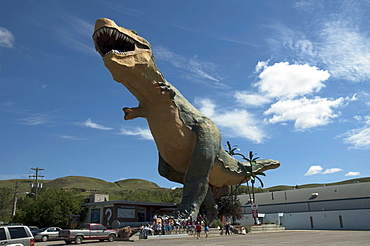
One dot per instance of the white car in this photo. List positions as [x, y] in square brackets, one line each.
[47, 233]
[16, 235]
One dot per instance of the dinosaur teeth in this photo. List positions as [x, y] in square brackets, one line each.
[113, 33]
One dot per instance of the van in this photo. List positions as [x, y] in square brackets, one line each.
[16, 235]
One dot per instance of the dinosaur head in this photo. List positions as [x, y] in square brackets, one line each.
[124, 53]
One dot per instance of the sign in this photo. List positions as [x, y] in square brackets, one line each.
[126, 212]
[254, 206]
[255, 213]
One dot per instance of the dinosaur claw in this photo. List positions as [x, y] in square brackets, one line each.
[127, 111]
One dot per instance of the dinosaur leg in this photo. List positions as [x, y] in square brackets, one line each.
[209, 205]
[196, 180]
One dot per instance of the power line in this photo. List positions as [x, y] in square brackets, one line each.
[36, 185]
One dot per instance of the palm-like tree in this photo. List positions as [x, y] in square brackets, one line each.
[250, 173]
[253, 175]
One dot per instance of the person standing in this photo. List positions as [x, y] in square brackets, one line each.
[198, 229]
[206, 229]
[227, 229]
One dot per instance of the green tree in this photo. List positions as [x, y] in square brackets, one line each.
[252, 175]
[6, 203]
[160, 195]
[230, 208]
[51, 208]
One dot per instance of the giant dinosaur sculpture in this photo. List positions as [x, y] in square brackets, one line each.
[188, 142]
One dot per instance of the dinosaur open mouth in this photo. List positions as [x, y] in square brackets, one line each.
[109, 40]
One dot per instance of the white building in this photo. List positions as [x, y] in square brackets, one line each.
[335, 207]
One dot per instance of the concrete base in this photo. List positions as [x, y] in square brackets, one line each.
[266, 228]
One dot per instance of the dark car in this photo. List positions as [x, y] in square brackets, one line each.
[33, 229]
[47, 233]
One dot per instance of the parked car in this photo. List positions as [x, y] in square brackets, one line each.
[47, 233]
[16, 235]
[33, 229]
[88, 231]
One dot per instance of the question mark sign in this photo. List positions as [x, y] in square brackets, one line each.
[108, 211]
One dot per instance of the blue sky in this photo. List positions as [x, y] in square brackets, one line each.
[288, 80]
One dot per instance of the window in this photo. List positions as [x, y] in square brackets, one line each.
[17, 232]
[2, 234]
[100, 227]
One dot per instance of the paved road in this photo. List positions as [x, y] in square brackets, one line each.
[287, 238]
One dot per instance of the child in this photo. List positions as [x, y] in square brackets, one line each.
[206, 229]
[198, 229]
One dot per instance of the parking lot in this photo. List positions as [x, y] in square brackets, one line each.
[300, 238]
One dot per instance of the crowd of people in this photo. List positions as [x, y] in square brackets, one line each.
[170, 225]
[165, 226]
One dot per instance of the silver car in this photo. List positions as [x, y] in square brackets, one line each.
[47, 233]
[16, 235]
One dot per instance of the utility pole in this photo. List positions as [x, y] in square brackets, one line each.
[36, 185]
[15, 198]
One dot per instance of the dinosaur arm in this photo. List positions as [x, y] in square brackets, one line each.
[132, 113]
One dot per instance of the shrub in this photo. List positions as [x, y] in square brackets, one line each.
[215, 223]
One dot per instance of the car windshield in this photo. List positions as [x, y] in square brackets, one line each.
[42, 229]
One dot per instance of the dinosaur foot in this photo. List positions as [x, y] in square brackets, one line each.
[188, 211]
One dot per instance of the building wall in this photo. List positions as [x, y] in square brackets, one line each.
[328, 220]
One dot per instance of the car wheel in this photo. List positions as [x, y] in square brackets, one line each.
[111, 238]
[78, 240]
[44, 238]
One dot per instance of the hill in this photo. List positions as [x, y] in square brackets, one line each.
[93, 185]
[286, 187]
[84, 184]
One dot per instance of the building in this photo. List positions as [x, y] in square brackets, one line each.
[334, 207]
[101, 210]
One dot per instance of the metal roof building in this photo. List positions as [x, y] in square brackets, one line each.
[327, 207]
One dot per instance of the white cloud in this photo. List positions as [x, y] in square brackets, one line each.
[251, 99]
[283, 80]
[358, 138]
[353, 174]
[306, 113]
[337, 42]
[71, 137]
[345, 50]
[6, 38]
[74, 33]
[318, 170]
[198, 69]
[36, 119]
[313, 170]
[233, 123]
[332, 170]
[142, 133]
[89, 123]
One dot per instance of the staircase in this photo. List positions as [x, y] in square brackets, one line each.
[266, 228]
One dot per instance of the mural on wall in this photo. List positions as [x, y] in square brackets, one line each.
[95, 215]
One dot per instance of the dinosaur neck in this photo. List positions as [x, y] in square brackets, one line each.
[138, 73]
